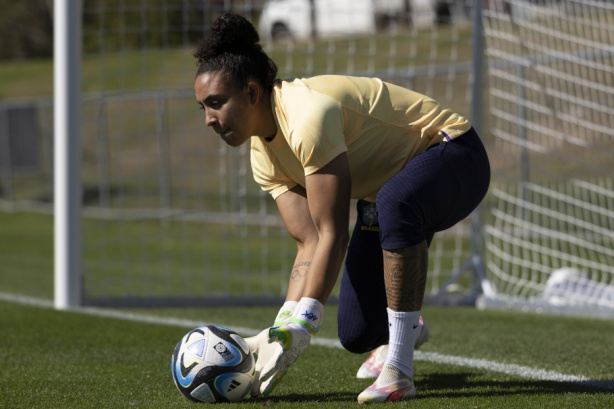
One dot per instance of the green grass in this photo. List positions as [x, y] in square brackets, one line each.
[55, 359]
[26, 254]
[175, 68]
[141, 258]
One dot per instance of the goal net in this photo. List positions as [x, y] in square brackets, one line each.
[549, 233]
[172, 215]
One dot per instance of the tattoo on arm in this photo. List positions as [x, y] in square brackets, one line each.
[299, 270]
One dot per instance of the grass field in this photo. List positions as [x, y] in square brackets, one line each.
[56, 359]
[136, 259]
[120, 358]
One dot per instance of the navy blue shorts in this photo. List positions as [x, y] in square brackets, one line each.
[435, 190]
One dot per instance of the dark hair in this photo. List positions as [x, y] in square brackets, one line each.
[232, 47]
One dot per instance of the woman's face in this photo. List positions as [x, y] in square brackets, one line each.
[228, 108]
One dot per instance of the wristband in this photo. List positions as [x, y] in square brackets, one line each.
[285, 313]
[308, 313]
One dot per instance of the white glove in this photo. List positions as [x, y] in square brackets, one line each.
[288, 343]
[263, 352]
[277, 348]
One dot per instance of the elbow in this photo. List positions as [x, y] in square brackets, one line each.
[306, 240]
[339, 242]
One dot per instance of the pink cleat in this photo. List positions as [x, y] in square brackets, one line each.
[395, 391]
[425, 334]
[372, 367]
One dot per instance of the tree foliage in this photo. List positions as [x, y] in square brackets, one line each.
[26, 27]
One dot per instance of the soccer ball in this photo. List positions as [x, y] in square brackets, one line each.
[213, 364]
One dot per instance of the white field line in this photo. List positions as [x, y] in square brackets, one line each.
[434, 357]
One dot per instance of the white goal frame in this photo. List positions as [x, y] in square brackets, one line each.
[67, 154]
[500, 275]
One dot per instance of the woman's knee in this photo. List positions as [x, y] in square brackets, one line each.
[357, 345]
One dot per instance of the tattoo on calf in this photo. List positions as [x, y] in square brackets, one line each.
[405, 279]
[397, 281]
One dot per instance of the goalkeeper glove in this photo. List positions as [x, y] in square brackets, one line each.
[260, 347]
[279, 347]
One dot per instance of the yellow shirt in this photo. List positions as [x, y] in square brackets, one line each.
[379, 125]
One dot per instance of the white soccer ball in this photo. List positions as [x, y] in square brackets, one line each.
[213, 364]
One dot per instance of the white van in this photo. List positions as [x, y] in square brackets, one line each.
[297, 19]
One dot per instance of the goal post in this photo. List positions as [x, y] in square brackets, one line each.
[67, 154]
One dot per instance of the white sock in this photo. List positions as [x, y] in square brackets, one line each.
[285, 313]
[404, 328]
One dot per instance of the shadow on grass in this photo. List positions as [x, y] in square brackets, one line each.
[463, 385]
[311, 397]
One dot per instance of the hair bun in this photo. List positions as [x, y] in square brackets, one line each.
[231, 32]
[232, 47]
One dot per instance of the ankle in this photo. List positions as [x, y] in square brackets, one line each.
[391, 373]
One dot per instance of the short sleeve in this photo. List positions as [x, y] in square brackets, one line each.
[266, 171]
[315, 126]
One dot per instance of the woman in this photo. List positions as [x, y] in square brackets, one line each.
[415, 167]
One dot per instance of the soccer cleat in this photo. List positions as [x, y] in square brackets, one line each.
[400, 389]
[372, 367]
[425, 334]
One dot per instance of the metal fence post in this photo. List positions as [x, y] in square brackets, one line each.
[475, 263]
